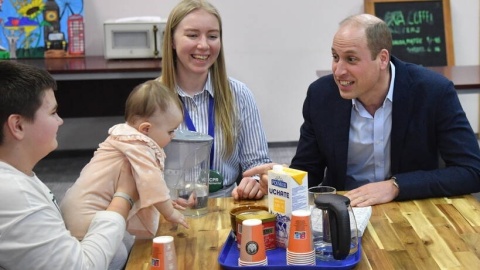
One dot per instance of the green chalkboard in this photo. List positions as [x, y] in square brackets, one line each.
[421, 29]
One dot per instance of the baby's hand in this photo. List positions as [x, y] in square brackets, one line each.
[177, 206]
[177, 217]
[192, 200]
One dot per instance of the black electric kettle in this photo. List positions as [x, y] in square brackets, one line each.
[333, 227]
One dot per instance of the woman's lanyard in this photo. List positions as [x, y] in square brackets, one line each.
[211, 123]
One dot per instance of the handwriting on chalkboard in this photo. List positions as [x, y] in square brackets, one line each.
[411, 23]
[418, 29]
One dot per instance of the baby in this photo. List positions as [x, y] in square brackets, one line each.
[134, 150]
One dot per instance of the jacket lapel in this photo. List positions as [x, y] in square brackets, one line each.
[341, 120]
[401, 112]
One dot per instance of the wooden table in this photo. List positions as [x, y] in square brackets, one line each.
[438, 233]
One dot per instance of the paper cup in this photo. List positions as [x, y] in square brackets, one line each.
[163, 253]
[252, 248]
[242, 263]
[306, 258]
[300, 235]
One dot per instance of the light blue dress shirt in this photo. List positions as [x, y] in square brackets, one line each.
[369, 142]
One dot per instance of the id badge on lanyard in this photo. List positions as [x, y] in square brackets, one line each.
[215, 182]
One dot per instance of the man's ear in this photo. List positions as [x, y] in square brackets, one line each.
[15, 126]
[385, 58]
[144, 127]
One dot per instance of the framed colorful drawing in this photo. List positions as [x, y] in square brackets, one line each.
[41, 28]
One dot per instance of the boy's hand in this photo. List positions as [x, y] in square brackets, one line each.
[128, 186]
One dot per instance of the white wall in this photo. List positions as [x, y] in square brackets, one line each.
[276, 46]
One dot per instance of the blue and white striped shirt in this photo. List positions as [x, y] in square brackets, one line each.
[251, 148]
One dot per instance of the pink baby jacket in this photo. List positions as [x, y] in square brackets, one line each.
[125, 153]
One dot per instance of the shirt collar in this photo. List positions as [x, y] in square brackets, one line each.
[207, 87]
[392, 82]
[390, 87]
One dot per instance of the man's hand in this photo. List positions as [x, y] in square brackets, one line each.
[373, 193]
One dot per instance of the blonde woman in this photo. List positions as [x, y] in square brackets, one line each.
[193, 64]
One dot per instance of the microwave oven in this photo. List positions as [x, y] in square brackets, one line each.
[137, 37]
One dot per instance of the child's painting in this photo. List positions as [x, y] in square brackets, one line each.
[41, 28]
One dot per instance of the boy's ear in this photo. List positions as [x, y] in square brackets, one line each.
[144, 127]
[14, 126]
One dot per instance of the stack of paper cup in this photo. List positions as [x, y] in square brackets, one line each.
[163, 253]
[252, 247]
[300, 249]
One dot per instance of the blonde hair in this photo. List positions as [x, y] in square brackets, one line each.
[224, 103]
[147, 97]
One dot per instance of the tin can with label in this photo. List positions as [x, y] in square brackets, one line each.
[268, 223]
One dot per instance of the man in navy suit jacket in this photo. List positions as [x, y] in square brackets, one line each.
[377, 118]
[380, 127]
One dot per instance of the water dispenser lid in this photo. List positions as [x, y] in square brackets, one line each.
[184, 135]
[187, 149]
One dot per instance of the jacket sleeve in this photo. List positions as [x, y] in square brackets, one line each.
[437, 127]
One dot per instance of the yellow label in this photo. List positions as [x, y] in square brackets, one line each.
[279, 205]
[296, 175]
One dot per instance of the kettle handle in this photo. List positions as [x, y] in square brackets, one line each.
[340, 228]
[339, 218]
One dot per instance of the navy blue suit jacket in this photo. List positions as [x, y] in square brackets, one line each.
[428, 122]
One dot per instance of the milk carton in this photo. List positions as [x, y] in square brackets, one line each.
[287, 192]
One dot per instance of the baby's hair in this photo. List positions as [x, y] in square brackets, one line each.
[147, 97]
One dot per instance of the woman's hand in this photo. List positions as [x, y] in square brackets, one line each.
[249, 187]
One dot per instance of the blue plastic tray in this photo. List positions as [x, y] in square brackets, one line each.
[229, 255]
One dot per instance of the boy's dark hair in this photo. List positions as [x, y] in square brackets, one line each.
[21, 90]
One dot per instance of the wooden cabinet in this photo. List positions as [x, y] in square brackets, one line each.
[93, 86]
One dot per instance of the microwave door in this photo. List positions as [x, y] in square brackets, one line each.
[133, 43]
[133, 40]
[130, 39]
